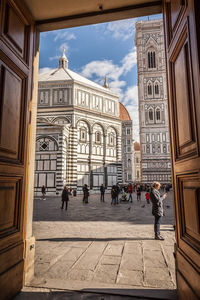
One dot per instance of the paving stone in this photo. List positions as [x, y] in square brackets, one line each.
[132, 248]
[106, 273]
[154, 258]
[132, 262]
[113, 249]
[153, 245]
[77, 274]
[91, 256]
[130, 277]
[110, 260]
[158, 277]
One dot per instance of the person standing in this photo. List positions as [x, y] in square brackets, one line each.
[85, 193]
[138, 193]
[147, 197]
[117, 192]
[65, 197]
[157, 208]
[102, 190]
[113, 195]
[43, 192]
[130, 191]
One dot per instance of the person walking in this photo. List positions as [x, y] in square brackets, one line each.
[130, 191]
[113, 195]
[138, 193]
[157, 208]
[43, 192]
[102, 191]
[65, 197]
[85, 193]
[147, 197]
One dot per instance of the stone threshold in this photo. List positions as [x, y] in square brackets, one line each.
[139, 292]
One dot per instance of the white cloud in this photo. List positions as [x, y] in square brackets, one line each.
[64, 35]
[123, 29]
[129, 61]
[131, 95]
[54, 57]
[45, 70]
[100, 69]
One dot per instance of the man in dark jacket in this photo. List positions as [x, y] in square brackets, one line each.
[157, 208]
[65, 198]
[102, 190]
[43, 192]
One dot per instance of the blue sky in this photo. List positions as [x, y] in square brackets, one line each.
[96, 51]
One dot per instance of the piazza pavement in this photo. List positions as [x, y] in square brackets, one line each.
[101, 251]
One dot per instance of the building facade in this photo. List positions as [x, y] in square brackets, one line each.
[78, 133]
[153, 108]
[127, 140]
[136, 162]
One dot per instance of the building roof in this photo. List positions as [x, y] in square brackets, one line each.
[123, 113]
[136, 146]
[63, 73]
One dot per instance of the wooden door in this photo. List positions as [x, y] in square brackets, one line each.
[16, 56]
[182, 26]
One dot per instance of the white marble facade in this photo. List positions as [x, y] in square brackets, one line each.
[78, 133]
[153, 107]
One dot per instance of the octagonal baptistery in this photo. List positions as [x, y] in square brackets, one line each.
[78, 133]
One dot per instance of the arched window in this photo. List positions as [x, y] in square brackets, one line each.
[158, 114]
[129, 163]
[151, 114]
[98, 137]
[83, 134]
[111, 139]
[151, 59]
[149, 89]
[156, 89]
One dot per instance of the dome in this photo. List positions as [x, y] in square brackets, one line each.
[123, 113]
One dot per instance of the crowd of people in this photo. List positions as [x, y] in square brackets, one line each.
[120, 193]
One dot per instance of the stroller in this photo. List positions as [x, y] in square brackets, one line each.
[123, 197]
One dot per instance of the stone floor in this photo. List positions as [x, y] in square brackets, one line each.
[103, 249]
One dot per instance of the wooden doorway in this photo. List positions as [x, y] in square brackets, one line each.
[17, 35]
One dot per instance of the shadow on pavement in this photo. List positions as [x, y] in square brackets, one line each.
[71, 239]
[99, 294]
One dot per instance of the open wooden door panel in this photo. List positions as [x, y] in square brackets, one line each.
[16, 57]
[181, 21]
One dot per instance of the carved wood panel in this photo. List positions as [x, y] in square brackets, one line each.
[11, 112]
[182, 102]
[16, 29]
[189, 208]
[10, 195]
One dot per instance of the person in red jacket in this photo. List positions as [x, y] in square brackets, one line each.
[147, 197]
[130, 191]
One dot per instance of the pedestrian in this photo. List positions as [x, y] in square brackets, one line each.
[117, 192]
[113, 195]
[130, 191]
[85, 193]
[43, 192]
[157, 208]
[65, 197]
[147, 197]
[138, 193]
[102, 191]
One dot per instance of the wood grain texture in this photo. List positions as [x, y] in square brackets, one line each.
[184, 101]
